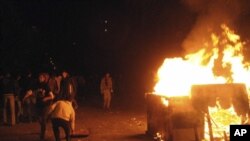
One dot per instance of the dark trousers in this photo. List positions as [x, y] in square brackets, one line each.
[58, 122]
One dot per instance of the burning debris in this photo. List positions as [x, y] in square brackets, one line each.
[205, 115]
[200, 95]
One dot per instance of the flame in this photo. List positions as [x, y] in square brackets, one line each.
[219, 61]
[221, 119]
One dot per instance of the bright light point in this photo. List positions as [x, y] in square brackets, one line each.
[106, 21]
[105, 30]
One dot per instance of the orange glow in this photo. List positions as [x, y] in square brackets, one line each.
[219, 61]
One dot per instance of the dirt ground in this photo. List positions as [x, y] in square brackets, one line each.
[125, 122]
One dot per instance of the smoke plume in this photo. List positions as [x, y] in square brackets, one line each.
[211, 14]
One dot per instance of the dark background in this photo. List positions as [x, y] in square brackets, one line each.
[125, 37]
[139, 34]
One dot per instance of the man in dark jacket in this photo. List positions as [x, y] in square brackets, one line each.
[68, 88]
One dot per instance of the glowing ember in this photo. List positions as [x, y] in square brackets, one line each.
[224, 63]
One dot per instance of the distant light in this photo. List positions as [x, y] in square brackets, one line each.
[106, 21]
[105, 30]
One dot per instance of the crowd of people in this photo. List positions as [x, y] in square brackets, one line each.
[47, 96]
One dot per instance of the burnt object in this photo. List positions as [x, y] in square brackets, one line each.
[176, 121]
[184, 117]
[226, 95]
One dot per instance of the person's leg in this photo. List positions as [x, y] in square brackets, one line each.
[12, 109]
[42, 122]
[28, 106]
[55, 126]
[66, 127]
[109, 100]
[5, 109]
[42, 127]
[19, 110]
[105, 100]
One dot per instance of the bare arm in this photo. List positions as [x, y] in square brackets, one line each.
[28, 94]
[50, 97]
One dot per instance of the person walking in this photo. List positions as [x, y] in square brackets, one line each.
[106, 88]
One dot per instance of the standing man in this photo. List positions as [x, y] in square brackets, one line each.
[9, 88]
[106, 90]
[68, 88]
[44, 97]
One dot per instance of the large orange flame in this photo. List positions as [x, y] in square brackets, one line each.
[220, 61]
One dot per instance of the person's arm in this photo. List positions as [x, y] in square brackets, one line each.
[50, 110]
[28, 94]
[50, 97]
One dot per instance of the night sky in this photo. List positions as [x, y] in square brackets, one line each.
[93, 36]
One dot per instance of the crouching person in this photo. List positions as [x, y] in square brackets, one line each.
[62, 115]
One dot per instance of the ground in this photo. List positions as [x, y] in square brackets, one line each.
[125, 122]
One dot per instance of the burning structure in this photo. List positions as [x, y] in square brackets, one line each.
[197, 97]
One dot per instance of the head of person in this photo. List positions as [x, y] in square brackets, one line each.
[107, 75]
[65, 74]
[41, 78]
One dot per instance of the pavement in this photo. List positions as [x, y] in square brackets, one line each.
[124, 122]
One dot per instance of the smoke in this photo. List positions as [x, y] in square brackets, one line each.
[211, 14]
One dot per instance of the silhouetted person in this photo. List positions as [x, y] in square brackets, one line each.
[27, 84]
[9, 88]
[106, 87]
[52, 82]
[44, 98]
[68, 88]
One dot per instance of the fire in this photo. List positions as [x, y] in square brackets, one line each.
[219, 61]
[221, 119]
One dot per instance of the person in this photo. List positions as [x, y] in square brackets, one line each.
[52, 82]
[44, 98]
[9, 88]
[106, 87]
[18, 101]
[62, 115]
[27, 84]
[68, 88]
